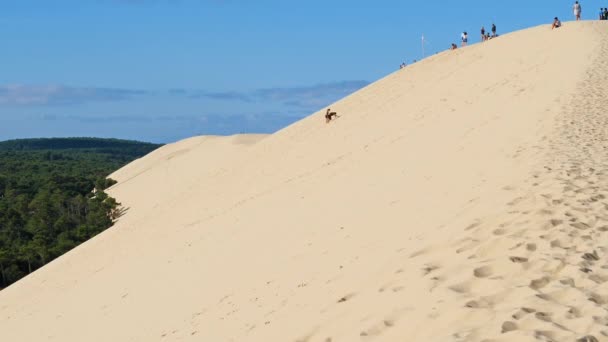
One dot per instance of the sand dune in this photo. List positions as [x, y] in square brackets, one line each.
[463, 198]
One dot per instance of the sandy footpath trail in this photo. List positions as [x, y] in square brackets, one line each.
[463, 198]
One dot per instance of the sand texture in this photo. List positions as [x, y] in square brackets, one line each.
[463, 198]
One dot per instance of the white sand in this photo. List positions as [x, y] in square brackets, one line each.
[454, 200]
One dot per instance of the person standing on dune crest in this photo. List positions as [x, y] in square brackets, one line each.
[577, 10]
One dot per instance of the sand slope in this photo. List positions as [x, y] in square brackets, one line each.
[460, 199]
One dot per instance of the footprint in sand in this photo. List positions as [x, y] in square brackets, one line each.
[597, 298]
[543, 316]
[499, 232]
[545, 335]
[522, 312]
[461, 288]
[473, 225]
[346, 298]
[574, 313]
[481, 303]
[586, 270]
[378, 328]
[470, 244]
[603, 229]
[545, 296]
[518, 260]
[516, 246]
[591, 257]
[398, 288]
[580, 225]
[516, 201]
[538, 284]
[598, 279]
[558, 244]
[419, 252]
[508, 326]
[429, 268]
[483, 272]
[600, 320]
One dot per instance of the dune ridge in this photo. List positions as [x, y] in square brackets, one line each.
[462, 198]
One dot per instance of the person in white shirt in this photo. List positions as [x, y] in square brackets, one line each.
[465, 38]
[577, 10]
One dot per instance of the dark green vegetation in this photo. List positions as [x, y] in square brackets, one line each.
[47, 204]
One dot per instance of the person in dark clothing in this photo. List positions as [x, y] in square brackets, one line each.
[556, 23]
[329, 115]
[493, 31]
[483, 33]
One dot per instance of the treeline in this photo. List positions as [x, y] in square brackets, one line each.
[47, 202]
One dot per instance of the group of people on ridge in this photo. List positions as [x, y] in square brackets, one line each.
[577, 10]
[486, 35]
[464, 37]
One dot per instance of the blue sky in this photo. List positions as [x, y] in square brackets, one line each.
[163, 70]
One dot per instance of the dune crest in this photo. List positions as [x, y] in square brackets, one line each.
[463, 198]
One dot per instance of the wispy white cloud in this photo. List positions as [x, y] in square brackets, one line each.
[310, 96]
[305, 96]
[301, 98]
[223, 96]
[41, 95]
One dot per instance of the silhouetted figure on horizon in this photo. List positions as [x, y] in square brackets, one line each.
[577, 10]
[556, 23]
[493, 30]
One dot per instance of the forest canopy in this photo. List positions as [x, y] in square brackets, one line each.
[52, 197]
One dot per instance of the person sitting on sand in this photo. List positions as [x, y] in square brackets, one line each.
[556, 23]
[454, 47]
[329, 114]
